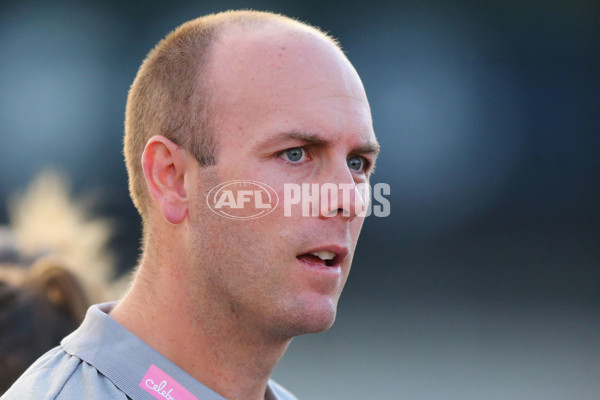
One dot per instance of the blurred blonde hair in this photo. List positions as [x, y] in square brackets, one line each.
[46, 222]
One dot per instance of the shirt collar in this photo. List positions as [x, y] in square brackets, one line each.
[130, 364]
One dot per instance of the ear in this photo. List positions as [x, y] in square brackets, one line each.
[165, 165]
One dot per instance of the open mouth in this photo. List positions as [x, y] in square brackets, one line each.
[322, 257]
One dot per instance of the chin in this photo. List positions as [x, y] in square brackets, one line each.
[312, 319]
[321, 326]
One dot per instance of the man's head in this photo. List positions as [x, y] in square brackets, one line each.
[273, 101]
[172, 92]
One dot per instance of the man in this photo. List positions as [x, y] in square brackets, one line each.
[216, 301]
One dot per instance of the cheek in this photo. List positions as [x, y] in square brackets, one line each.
[355, 227]
[251, 250]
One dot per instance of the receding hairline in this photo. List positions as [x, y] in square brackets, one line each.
[232, 24]
[231, 28]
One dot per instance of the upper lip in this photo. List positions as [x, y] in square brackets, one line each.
[340, 253]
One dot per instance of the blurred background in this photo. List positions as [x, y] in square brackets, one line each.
[483, 283]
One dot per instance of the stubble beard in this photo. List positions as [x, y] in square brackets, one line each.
[255, 296]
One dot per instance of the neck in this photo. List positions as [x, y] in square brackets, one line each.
[208, 341]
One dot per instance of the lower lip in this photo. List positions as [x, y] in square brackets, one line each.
[321, 268]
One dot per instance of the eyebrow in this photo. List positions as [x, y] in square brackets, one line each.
[307, 138]
[313, 139]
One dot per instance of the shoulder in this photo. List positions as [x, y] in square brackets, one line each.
[61, 376]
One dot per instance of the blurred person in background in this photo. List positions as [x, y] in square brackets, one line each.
[215, 302]
[54, 264]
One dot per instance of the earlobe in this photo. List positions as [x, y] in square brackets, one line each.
[165, 167]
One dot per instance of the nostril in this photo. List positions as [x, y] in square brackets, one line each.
[340, 211]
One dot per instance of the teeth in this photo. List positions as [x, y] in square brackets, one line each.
[324, 255]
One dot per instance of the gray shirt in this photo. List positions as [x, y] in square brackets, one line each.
[103, 360]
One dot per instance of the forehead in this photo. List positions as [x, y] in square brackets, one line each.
[273, 52]
[289, 72]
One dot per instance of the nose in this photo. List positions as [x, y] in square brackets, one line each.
[342, 197]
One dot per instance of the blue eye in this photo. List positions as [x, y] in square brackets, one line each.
[356, 163]
[295, 154]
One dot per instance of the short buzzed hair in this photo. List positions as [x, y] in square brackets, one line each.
[170, 95]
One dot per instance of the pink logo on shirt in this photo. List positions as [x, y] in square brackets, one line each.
[162, 387]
